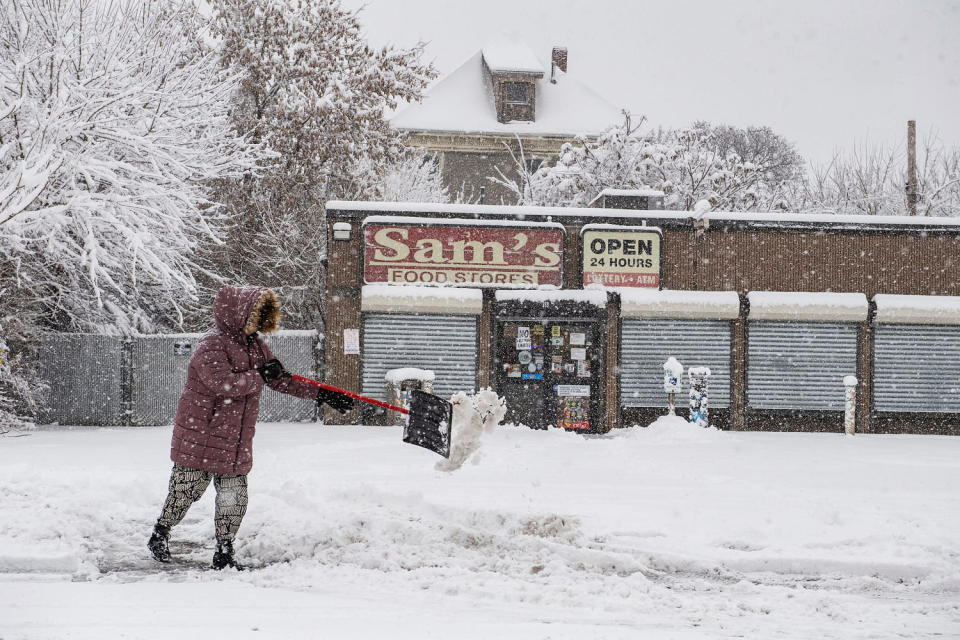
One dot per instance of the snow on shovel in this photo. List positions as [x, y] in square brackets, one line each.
[429, 418]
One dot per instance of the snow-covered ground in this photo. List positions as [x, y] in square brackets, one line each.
[660, 532]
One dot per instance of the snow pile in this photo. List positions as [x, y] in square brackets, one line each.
[669, 531]
[473, 416]
[667, 429]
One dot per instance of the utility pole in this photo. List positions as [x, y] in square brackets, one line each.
[911, 167]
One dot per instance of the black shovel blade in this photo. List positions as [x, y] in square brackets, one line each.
[429, 423]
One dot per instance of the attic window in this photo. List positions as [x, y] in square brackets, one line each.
[516, 92]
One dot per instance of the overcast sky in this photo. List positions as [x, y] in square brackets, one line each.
[825, 74]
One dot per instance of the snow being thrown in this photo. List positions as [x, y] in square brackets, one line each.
[473, 416]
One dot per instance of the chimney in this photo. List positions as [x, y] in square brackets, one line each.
[558, 61]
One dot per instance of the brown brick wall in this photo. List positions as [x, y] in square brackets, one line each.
[344, 279]
[871, 263]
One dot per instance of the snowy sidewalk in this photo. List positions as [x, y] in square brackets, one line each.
[664, 532]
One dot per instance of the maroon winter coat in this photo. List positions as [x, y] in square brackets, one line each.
[217, 412]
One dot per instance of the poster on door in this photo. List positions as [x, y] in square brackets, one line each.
[574, 412]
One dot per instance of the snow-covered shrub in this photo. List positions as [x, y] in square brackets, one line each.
[19, 390]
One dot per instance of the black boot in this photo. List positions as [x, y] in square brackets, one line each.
[158, 543]
[223, 557]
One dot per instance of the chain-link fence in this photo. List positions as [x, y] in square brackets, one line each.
[102, 380]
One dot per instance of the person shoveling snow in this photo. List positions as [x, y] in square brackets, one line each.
[217, 414]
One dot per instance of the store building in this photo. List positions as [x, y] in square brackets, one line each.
[570, 313]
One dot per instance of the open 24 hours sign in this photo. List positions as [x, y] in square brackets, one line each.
[617, 256]
[462, 253]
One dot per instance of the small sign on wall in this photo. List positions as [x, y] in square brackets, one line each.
[621, 256]
[179, 349]
[351, 342]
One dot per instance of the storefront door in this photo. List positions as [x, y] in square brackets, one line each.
[549, 371]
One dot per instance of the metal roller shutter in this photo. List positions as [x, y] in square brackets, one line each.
[646, 344]
[799, 365]
[447, 345]
[916, 368]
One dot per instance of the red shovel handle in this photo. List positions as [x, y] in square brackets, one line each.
[355, 396]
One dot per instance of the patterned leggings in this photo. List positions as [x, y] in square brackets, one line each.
[186, 487]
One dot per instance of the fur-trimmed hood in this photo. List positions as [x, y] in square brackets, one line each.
[241, 311]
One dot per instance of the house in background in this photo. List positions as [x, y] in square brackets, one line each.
[501, 100]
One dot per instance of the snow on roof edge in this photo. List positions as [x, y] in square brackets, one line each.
[460, 222]
[396, 298]
[566, 212]
[812, 306]
[667, 303]
[915, 309]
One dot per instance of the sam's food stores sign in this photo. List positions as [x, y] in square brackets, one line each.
[621, 256]
[463, 253]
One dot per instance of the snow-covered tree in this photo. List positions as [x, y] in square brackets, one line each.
[871, 180]
[113, 119]
[688, 165]
[761, 146]
[315, 92]
[414, 178]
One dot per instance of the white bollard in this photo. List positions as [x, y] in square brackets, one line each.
[850, 404]
[672, 376]
[698, 395]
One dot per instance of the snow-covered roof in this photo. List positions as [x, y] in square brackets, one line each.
[917, 309]
[826, 220]
[808, 306]
[596, 297]
[716, 305]
[393, 298]
[503, 56]
[462, 102]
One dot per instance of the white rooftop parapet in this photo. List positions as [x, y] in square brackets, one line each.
[389, 298]
[715, 305]
[944, 310]
[808, 306]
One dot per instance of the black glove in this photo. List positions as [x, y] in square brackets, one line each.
[271, 370]
[338, 401]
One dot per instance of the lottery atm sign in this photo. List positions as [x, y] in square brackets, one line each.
[622, 256]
